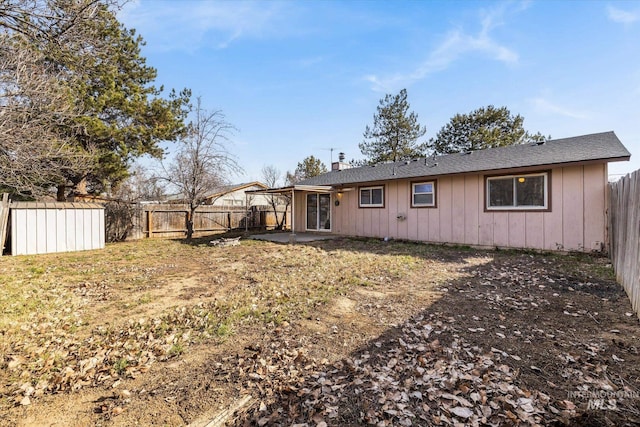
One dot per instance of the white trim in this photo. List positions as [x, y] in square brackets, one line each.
[306, 213]
[371, 205]
[433, 194]
[513, 177]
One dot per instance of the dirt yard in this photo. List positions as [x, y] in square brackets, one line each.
[339, 332]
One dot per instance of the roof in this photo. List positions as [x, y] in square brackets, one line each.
[599, 147]
[225, 189]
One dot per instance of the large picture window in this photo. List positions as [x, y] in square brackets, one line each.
[372, 197]
[423, 194]
[521, 192]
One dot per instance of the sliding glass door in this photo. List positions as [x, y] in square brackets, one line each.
[318, 211]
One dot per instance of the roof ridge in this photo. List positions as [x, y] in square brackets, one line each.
[602, 146]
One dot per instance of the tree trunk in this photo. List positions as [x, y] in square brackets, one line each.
[60, 197]
[190, 223]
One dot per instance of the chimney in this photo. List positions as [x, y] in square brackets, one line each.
[340, 164]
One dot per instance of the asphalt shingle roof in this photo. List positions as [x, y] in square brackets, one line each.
[603, 147]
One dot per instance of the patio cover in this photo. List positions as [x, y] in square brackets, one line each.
[292, 189]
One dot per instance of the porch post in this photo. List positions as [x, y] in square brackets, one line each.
[293, 211]
[247, 199]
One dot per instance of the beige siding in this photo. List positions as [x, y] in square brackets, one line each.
[595, 202]
[576, 220]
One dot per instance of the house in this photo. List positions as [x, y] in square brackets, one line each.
[550, 195]
[234, 196]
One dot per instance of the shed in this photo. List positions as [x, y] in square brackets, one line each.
[46, 227]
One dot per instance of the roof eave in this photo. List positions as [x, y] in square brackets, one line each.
[525, 168]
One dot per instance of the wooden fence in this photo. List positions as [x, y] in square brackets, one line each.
[4, 221]
[130, 222]
[624, 234]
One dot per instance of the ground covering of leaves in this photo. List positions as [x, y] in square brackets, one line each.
[342, 332]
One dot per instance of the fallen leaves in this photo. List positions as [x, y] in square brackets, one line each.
[502, 340]
[417, 380]
[433, 371]
[56, 361]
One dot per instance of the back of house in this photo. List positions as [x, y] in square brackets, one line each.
[550, 196]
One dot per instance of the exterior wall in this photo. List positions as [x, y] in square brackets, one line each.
[576, 219]
[299, 212]
[44, 230]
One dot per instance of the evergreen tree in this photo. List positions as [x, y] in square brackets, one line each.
[485, 127]
[307, 168]
[101, 105]
[395, 132]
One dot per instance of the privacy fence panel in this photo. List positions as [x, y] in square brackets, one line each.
[131, 221]
[170, 221]
[624, 226]
[38, 228]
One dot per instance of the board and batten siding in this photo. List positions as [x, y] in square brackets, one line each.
[576, 220]
[39, 228]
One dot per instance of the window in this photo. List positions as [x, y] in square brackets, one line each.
[372, 197]
[423, 194]
[526, 192]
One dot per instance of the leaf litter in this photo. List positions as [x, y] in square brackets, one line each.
[506, 338]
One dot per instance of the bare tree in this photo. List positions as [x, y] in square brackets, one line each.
[33, 101]
[271, 176]
[142, 185]
[202, 161]
[47, 20]
[123, 211]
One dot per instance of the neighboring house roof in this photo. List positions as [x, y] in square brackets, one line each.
[225, 189]
[595, 147]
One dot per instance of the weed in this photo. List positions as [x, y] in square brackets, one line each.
[120, 366]
[145, 299]
[176, 350]
[223, 330]
[37, 271]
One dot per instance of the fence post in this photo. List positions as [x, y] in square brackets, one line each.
[150, 224]
[4, 219]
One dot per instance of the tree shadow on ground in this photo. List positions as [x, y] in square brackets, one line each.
[522, 338]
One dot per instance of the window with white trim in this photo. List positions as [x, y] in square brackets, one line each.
[423, 194]
[372, 197]
[524, 192]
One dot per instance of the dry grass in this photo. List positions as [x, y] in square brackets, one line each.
[79, 320]
[61, 310]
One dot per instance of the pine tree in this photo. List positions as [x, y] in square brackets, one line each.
[90, 106]
[486, 127]
[395, 132]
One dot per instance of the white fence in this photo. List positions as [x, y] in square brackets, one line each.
[38, 228]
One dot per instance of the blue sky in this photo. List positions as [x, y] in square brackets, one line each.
[300, 78]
